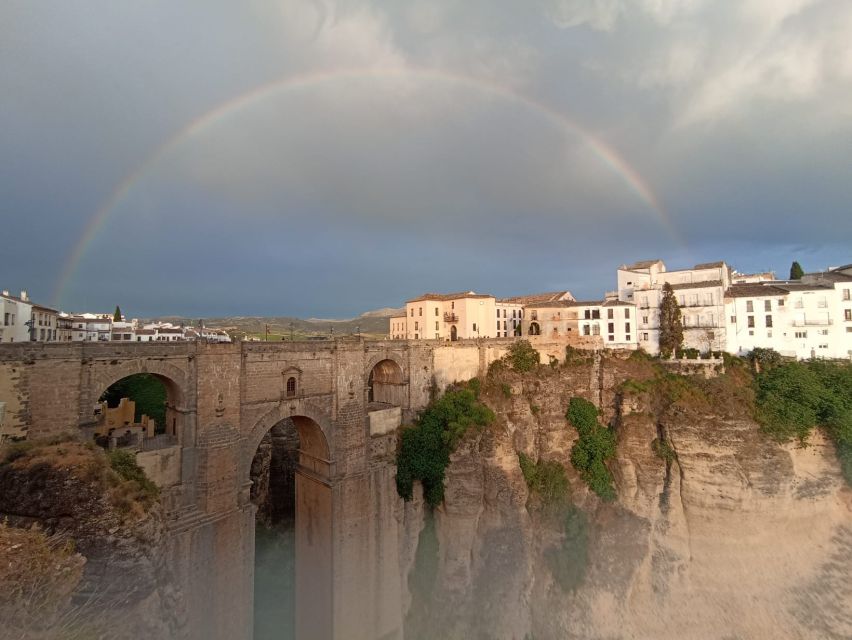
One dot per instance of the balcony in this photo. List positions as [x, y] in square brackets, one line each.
[812, 322]
[450, 317]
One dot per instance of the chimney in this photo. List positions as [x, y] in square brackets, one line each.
[24, 296]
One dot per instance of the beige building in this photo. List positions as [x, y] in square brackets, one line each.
[452, 316]
[607, 324]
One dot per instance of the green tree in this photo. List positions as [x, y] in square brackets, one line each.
[796, 271]
[522, 356]
[671, 323]
[116, 317]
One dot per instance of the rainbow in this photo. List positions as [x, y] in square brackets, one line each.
[606, 154]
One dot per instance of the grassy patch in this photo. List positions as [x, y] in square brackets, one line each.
[545, 478]
[663, 450]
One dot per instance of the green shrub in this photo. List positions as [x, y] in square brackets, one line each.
[546, 478]
[506, 389]
[794, 397]
[690, 353]
[474, 385]
[595, 446]
[664, 450]
[535, 409]
[764, 359]
[425, 448]
[569, 561]
[123, 462]
[522, 357]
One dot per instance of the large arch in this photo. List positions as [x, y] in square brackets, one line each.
[175, 380]
[313, 511]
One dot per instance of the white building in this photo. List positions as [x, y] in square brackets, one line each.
[607, 323]
[16, 312]
[807, 318]
[91, 327]
[700, 292]
[451, 316]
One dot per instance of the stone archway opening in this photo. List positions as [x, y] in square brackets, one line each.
[290, 475]
[535, 329]
[135, 410]
[385, 385]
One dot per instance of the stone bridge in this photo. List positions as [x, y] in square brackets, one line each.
[346, 397]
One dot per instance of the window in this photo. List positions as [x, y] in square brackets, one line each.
[504, 324]
[780, 302]
[420, 312]
[610, 327]
[749, 306]
[412, 312]
[769, 322]
[750, 322]
[498, 313]
[847, 314]
[628, 337]
[596, 314]
[644, 336]
[801, 334]
[588, 314]
[452, 305]
[822, 303]
[767, 305]
[846, 295]
[513, 312]
[823, 332]
[416, 336]
[627, 328]
[596, 330]
[416, 325]
[498, 325]
[437, 326]
[504, 313]
[769, 333]
[474, 326]
[436, 310]
[291, 386]
[610, 314]
[611, 338]
[626, 313]
[644, 319]
[587, 331]
[733, 319]
[437, 336]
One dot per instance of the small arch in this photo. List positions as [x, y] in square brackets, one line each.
[535, 329]
[386, 384]
[291, 386]
[454, 333]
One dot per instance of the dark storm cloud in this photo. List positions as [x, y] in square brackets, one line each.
[357, 190]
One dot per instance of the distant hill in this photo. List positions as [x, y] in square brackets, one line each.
[372, 323]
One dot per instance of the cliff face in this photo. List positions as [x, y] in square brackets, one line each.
[126, 589]
[729, 535]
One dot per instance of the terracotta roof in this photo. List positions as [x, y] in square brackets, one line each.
[644, 264]
[145, 332]
[533, 298]
[826, 276]
[449, 296]
[697, 285]
[561, 304]
[710, 265]
[753, 290]
[164, 330]
[43, 308]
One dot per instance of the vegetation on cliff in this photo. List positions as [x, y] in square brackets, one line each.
[425, 447]
[38, 575]
[795, 397]
[545, 478]
[522, 356]
[594, 447]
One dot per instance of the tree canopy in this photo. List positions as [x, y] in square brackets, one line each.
[671, 323]
[796, 271]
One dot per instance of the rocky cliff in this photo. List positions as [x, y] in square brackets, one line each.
[71, 493]
[717, 530]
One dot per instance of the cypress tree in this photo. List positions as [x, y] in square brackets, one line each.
[796, 271]
[116, 317]
[671, 323]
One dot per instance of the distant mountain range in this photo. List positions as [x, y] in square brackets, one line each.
[373, 323]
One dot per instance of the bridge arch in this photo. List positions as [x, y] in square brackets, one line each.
[312, 495]
[103, 375]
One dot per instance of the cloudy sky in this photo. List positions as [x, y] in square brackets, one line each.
[322, 158]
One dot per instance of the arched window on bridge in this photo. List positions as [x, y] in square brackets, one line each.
[291, 386]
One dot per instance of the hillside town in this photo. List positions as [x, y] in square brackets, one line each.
[27, 321]
[721, 310]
